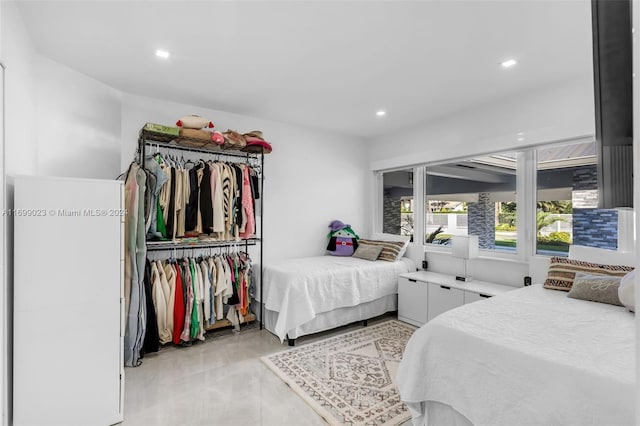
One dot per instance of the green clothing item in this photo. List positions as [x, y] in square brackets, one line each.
[161, 228]
[195, 323]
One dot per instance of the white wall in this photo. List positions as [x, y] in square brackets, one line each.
[78, 123]
[556, 113]
[311, 178]
[21, 127]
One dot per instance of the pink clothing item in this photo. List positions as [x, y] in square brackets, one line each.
[247, 207]
[257, 145]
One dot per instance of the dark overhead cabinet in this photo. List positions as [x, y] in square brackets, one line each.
[612, 65]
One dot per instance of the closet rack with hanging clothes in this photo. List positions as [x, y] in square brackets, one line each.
[195, 294]
[209, 200]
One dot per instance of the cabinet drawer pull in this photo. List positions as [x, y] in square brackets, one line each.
[445, 287]
[412, 280]
[484, 295]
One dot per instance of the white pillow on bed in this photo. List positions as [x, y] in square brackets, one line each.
[391, 237]
[626, 291]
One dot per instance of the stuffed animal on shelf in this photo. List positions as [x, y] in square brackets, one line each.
[342, 240]
[194, 122]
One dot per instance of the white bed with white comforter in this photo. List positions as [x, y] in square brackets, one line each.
[311, 294]
[531, 356]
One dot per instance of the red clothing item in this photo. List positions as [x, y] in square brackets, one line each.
[178, 308]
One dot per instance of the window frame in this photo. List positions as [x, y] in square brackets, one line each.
[534, 177]
[526, 198]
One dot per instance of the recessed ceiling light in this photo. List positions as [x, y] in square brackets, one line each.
[520, 133]
[508, 63]
[381, 113]
[162, 54]
[520, 139]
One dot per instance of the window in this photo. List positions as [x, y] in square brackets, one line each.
[473, 197]
[397, 200]
[567, 201]
[551, 192]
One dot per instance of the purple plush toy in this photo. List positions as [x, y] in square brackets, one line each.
[342, 240]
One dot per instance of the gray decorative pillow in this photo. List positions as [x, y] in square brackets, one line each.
[368, 251]
[390, 249]
[596, 288]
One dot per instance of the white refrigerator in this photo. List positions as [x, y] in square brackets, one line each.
[68, 296]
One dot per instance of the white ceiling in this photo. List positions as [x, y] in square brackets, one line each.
[323, 64]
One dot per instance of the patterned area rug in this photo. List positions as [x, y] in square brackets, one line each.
[349, 379]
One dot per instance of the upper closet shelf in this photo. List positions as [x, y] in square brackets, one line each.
[191, 144]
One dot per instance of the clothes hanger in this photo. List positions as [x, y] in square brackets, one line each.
[169, 160]
[183, 162]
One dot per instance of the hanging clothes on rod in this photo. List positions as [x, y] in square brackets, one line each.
[211, 200]
[191, 294]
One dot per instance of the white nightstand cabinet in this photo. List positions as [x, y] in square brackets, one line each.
[424, 295]
[412, 301]
[441, 298]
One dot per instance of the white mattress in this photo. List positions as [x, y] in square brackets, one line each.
[299, 289]
[528, 357]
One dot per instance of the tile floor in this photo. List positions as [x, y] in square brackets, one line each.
[220, 382]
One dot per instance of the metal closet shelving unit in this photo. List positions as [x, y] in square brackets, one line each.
[148, 138]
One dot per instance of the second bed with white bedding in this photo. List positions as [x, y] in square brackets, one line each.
[530, 356]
